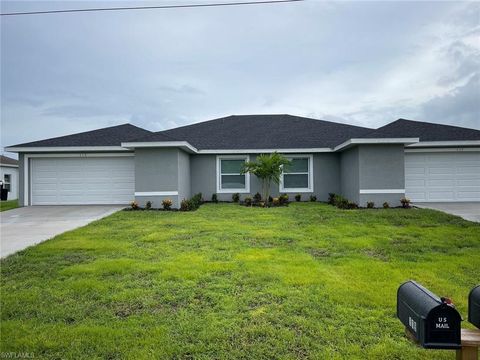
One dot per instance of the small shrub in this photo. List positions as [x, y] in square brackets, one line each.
[386, 205]
[313, 198]
[352, 205]
[167, 204]
[405, 203]
[191, 204]
[270, 199]
[341, 202]
[370, 205]
[196, 201]
[214, 198]
[148, 205]
[257, 197]
[134, 205]
[331, 198]
[236, 197]
[298, 197]
[185, 205]
[283, 198]
[248, 201]
[276, 201]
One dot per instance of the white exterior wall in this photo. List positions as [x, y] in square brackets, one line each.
[13, 172]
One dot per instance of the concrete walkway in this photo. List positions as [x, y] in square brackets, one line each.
[27, 226]
[467, 210]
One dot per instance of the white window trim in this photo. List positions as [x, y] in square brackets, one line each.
[7, 183]
[310, 176]
[246, 190]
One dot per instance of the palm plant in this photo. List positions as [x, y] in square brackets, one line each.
[268, 168]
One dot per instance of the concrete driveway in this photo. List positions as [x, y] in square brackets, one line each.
[27, 226]
[467, 210]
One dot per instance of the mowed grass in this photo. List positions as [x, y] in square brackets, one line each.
[8, 205]
[227, 282]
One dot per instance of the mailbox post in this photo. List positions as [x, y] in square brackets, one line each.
[432, 321]
[471, 338]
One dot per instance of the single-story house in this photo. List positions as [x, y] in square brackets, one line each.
[9, 176]
[423, 161]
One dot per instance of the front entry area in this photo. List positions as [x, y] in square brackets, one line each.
[442, 176]
[77, 180]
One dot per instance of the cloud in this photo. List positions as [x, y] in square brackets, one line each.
[461, 106]
[357, 62]
[181, 90]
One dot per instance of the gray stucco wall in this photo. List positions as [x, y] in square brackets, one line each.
[326, 175]
[156, 169]
[203, 172]
[373, 167]
[350, 174]
[160, 170]
[184, 180]
[393, 200]
[382, 167]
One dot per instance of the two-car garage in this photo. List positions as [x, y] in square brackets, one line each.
[442, 176]
[78, 179]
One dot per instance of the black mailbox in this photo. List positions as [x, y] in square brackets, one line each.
[474, 306]
[433, 321]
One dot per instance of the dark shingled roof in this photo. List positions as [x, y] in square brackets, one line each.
[425, 131]
[158, 136]
[262, 132]
[4, 160]
[110, 136]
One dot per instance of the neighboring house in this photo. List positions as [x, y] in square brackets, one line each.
[423, 161]
[9, 176]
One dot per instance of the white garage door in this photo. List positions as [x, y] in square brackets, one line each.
[76, 180]
[442, 176]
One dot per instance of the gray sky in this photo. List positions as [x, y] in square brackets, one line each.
[364, 63]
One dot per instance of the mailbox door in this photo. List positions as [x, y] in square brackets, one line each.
[474, 306]
[442, 328]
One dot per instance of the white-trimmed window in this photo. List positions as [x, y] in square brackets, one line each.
[7, 182]
[298, 176]
[229, 176]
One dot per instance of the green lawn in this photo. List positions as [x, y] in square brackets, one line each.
[304, 281]
[8, 205]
